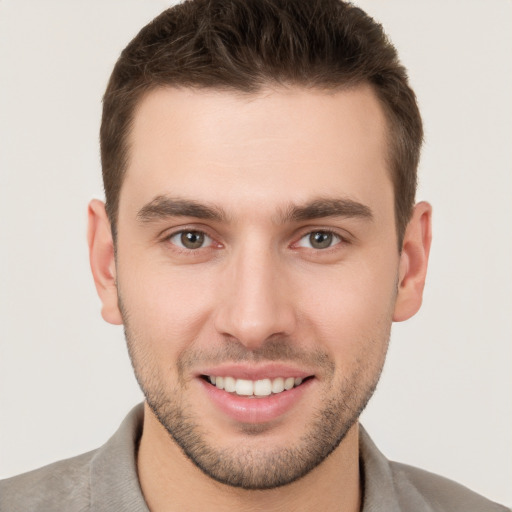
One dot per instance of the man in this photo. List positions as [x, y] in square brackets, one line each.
[259, 237]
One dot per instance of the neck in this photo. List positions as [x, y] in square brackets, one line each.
[171, 482]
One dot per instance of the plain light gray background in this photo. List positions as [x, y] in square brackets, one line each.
[444, 402]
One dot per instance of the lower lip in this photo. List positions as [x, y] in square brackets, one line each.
[255, 410]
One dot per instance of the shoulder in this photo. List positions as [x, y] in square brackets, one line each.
[63, 485]
[102, 480]
[399, 487]
[414, 485]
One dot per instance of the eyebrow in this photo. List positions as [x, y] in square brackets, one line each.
[327, 207]
[163, 207]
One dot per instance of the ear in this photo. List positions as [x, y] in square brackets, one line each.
[102, 260]
[413, 262]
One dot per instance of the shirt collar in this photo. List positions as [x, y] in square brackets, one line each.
[114, 482]
[378, 485]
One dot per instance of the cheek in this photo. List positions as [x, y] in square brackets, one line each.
[166, 306]
[349, 309]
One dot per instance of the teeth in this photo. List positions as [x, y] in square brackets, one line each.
[229, 384]
[289, 383]
[264, 387]
[244, 387]
[278, 385]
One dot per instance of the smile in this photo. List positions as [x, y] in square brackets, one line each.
[255, 388]
[256, 395]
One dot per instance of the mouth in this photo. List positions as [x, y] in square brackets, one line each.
[252, 394]
[255, 388]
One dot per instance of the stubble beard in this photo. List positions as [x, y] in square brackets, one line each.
[244, 466]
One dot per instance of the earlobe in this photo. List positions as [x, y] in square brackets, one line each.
[102, 261]
[414, 262]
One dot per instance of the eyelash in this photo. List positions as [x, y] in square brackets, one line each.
[186, 250]
[334, 234]
[339, 239]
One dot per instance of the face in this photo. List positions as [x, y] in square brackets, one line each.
[257, 272]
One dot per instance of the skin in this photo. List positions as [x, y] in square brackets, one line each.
[257, 290]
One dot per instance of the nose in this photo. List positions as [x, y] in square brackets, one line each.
[255, 304]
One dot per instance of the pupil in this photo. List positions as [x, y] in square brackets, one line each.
[192, 239]
[320, 239]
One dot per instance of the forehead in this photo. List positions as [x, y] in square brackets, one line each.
[276, 146]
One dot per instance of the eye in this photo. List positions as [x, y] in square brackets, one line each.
[319, 240]
[190, 239]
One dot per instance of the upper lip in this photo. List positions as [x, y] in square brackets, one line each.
[255, 371]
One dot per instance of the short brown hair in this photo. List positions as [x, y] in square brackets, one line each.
[245, 45]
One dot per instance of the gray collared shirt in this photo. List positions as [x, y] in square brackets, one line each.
[105, 480]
